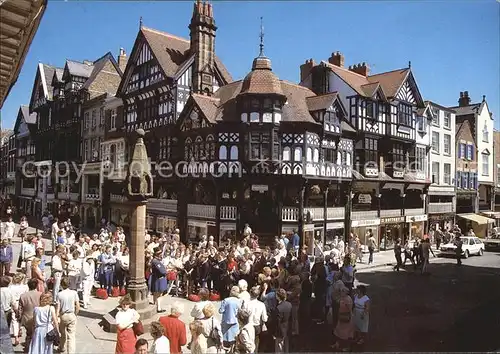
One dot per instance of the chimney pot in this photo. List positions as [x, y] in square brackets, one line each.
[464, 99]
[484, 98]
[466, 93]
[461, 94]
[305, 69]
[361, 69]
[337, 59]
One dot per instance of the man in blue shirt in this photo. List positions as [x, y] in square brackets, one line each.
[295, 243]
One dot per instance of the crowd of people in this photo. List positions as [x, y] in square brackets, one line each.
[266, 294]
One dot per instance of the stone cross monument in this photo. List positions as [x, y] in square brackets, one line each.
[139, 187]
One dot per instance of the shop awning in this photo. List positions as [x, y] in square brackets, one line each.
[492, 214]
[479, 219]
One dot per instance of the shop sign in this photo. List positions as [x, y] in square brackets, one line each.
[227, 226]
[211, 223]
[285, 228]
[364, 199]
[416, 218]
[197, 223]
[362, 223]
[309, 227]
[335, 225]
[393, 220]
[260, 188]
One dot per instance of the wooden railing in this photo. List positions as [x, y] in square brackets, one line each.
[162, 204]
[201, 211]
[438, 208]
[228, 212]
[290, 214]
[362, 215]
[117, 198]
[389, 213]
[332, 213]
[414, 211]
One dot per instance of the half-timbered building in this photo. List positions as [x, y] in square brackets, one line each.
[41, 101]
[389, 178]
[24, 130]
[263, 152]
[161, 72]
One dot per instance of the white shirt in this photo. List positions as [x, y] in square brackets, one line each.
[74, 267]
[124, 261]
[57, 263]
[88, 270]
[121, 236]
[55, 230]
[161, 346]
[126, 317]
[197, 311]
[258, 312]
[10, 227]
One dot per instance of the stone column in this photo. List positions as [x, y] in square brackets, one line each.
[137, 287]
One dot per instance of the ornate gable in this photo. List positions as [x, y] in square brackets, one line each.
[193, 118]
[142, 68]
[408, 92]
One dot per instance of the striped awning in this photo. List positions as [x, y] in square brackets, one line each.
[479, 219]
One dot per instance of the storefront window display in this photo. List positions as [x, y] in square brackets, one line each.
[363, 233]
[313, 239]
[196, 230]
[417, 230]
[149, 222]
[227, 232]
[389, 234]
[165, 224]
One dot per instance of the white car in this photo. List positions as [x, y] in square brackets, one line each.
[470, 245]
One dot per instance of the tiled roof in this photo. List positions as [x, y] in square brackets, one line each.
[316, 103]
[390, 81]
[28, 118]
[48, 72]
[370, 89]
[470, 109]
[79, 69]
[98, 66]
[261, 80]
[355, 80]
[172, 51]
[222, 106]
[208, 106]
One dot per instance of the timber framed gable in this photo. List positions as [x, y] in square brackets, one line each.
[408, 92]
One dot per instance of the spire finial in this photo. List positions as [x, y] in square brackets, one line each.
[409, 64]
[261, 54]
[140, 22]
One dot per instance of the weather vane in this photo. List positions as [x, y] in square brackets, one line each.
[261, 37]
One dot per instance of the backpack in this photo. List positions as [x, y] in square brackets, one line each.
[215, 335]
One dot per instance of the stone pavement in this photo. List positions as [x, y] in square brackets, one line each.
[91, 338]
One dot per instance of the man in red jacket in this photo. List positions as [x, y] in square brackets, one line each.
[175, 329]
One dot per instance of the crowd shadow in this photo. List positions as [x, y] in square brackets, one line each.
[454, 308]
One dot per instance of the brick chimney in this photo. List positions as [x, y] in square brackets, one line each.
[337, 59]
[306, 68]
[122, 60]
[464, 99]
[361, 69]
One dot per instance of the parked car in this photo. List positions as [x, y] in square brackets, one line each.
[492, 242]
[470, 246]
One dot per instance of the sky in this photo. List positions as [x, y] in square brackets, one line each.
[453, 45]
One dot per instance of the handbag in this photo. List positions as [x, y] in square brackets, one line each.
[52, 335]
[138, 328]
[215, 335]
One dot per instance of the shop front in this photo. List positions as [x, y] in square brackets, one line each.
[198, 228]
[314, 238]
[392, 229]
[477, 223]
[227, 231]
[363, 228]
[164, 224]
[334, 229]
[441, 222]
[417, 226]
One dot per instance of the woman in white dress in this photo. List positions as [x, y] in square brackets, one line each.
[17, 287]
[88, 275]
[361, 313]
[45, 320]
[74, 270]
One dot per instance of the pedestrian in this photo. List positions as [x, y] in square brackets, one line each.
[361, 313]
[9, 228]
[142, 346]
[458, 250]
[372, 245]
[158, 283]
[6, 299]
[17, 287]
[37, 274]
[283, 315]
[198, 341]
[397, 254]
[344, 330]
[45, 320]
[245, 340]
[258, 313]
[125, 319]
[67, 308]
[175, 329]
[161, 343]
[27, 303]
[6, 257]
[426, 250]
[229, 308]
[88, 275]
